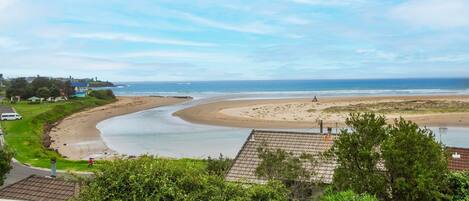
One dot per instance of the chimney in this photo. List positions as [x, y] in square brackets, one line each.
[53, 167]
[320, 126]
[456, 155]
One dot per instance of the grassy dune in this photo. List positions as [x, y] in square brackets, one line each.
[408, 107]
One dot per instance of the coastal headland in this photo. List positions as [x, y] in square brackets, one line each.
[447, 110]
[76, 137]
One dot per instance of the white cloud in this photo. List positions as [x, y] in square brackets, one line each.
[449, 58]
[252, 27]
[328, 2]
[185, 55]
[15, 12]
[10, 45]
[296, 20]
[433, 13]
[7, 42]
[140, 39]
[378, 54]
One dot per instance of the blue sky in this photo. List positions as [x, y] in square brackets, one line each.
[233, 39]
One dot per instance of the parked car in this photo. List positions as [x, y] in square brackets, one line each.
[10, 116]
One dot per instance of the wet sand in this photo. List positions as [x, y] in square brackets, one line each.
[303, 113]
[76, 137]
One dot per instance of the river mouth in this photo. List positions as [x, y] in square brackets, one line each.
[158, 132]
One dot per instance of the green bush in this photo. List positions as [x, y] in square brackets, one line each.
[348, 196]
[218, 166]
[5, 163]
[458, 186]
[103, 94]
[150, 178]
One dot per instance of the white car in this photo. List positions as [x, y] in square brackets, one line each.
[10, 116]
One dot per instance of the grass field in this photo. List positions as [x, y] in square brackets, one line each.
[25, 136]
[407, 107]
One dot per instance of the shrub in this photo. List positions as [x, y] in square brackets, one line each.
[348, 196]
[5, 163]
[458, 186]
[218, 166]
[103, 94]
[150, 178]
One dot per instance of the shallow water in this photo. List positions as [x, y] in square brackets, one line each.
[157, 132]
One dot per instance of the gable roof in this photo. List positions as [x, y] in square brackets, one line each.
[244, 165]
[40, 188]
[458, 159]
[34, 98]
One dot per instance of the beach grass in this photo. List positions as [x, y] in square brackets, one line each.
[404, 107]
[25, 136]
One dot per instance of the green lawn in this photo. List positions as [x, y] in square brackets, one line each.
[25, 136]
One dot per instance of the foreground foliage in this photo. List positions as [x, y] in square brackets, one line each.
[149, 178]
[394, 162]
[26, 137]
[219, 166]
[290, 169]
[458, 186]
[347, 196]
[5, 163]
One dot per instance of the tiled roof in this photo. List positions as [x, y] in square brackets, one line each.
[40, 188]
[458, 159]
[245, 164]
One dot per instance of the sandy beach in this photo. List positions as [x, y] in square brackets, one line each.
[76, 137]
[303, 113]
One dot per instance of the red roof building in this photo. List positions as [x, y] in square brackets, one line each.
[458, 159]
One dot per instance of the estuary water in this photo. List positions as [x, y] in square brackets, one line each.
[157, 132]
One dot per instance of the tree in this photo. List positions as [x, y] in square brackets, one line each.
[393, 162]
[289, 169]
[17, 87]
[41, 82]
[5, 163]
[54, 91]
[68, 89]
[43, 92]
[358, 155]
[416, 165]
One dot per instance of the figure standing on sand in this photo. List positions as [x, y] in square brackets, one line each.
[315, 99]
[90, 162]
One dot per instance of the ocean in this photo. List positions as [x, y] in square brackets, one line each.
[319, 87]
[158, 132]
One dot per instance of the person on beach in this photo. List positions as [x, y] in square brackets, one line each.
[90, 162]
[315, 99]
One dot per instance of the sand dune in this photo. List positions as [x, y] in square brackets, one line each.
[303, 113]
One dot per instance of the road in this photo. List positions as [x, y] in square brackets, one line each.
[6, 109]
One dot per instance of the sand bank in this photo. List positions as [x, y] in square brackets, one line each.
[303, 113]
[76, 137]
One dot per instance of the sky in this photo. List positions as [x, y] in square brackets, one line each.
[174, 40]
